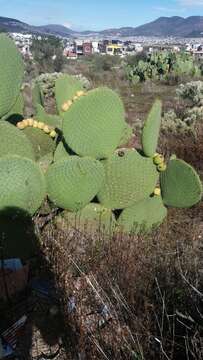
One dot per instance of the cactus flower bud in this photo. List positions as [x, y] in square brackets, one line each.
[40, 125]
[35, 124]
[46, 129]
[66, 105]
[30, 122]
[20, 125]
[158, 159]
[80, 93]
[157, 191]
[53, 134]
[162, 167]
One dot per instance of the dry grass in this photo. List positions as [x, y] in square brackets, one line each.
[136, 297]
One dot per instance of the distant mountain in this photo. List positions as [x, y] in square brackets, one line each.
[13, 25]
[55, 30]
[163, 26]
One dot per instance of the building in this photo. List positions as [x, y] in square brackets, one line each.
[87, 48]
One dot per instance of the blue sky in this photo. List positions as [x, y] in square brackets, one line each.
[96, 14]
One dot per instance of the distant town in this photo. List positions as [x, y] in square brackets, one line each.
[75, 48]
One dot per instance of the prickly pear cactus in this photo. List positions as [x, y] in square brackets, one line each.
[22, 184]
[60, 153]
[93, 218]
[37, 96]
[17, 110]
[42, 143]
[73, 183]
[180, 185]
[94, 124]
[150, 133]
[49, 119]
[126, 135]
[143, 216]
[14, 142]
[129, 178]
[11, 74]
[66, 87]
[45, 161]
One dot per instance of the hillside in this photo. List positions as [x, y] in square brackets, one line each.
[13, 25]
[163, 26]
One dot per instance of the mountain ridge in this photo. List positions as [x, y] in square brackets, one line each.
[163, 26]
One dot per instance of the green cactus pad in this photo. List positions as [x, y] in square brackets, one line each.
[66, 87]
[60, 153]
[130, 178]
[51, 120]
[11, 74]
[92, 218]
[73, 183]
[37, 96]
[16, 111]
[14, 142]
[143, 216]
[150, 133]
[180, 185]
[94, 124]
[45, 161]
[126, 135]
[42, 143]
[22, 184]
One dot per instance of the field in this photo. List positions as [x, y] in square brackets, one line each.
[125, 296]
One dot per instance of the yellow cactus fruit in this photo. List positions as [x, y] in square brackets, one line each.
[66, 105]
[26, 122]
[80, 93]
[46, 129]
[35, 124]
[30, 122]
[20, 125]
[40, 125]
[157, 191]
[158, 159]
[162, 167]
[53, 134]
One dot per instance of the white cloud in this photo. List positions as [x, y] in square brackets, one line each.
[68, 24]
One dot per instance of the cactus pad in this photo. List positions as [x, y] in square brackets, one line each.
[92, 218]
[126, 135]
[16, 111]
[51, 120]
[94, 124]
[42, 143]
[14, 142]
[180, 185]
[22, 184]
[60, 153]
[130, 178]
[37, 96]
[45, 161]
[143, 216]
[73, 183]
[150, 133]
[66, 87]
[11, 74]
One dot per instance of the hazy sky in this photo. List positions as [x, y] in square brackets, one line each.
[96, 14]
